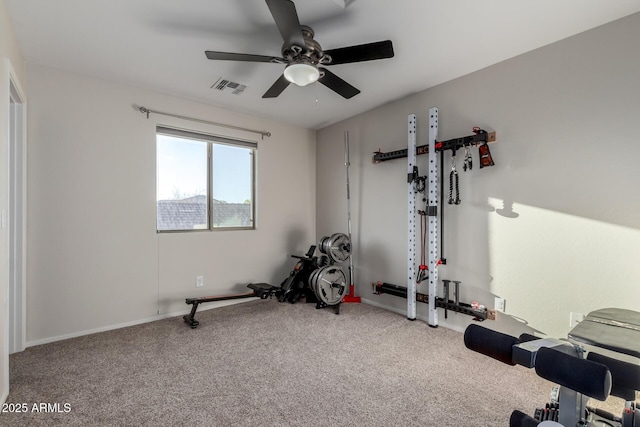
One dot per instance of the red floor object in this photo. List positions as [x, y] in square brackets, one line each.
[350, 297]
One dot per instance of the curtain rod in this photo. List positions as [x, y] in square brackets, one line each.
[148, 111]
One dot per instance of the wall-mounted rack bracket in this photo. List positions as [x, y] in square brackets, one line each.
[451, 144]
[478, 314]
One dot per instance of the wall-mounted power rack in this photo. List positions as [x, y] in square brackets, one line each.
[431, 188]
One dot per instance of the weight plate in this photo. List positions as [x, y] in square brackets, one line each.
[337, 247]
[325, 244]
[329, 284]
[312, 280]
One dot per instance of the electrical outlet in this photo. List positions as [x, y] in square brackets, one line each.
[575, 318]
[499, 304]
[199, 281]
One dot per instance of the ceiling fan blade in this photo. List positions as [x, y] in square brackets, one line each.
[227, 56]
[277, 88]
[337, 85]
[363, 52]
[286, 17]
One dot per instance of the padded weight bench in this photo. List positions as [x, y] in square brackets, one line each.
[614, 329]
[610, 340]
[260, 290]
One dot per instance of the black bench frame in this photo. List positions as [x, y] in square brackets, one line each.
[260, 290]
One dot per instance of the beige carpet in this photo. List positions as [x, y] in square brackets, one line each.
[264, 363]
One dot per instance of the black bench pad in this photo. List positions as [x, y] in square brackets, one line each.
[615, 329]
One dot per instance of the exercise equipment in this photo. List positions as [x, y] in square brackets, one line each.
[260, 290]
[293, 287]
[601, 357]
[423, 269]
[454, 178]
[477, 311]
[429, 185]
[468, 160]
[317, 279]
[337, 247]
[351, 296]
[310, 277]
[328, 284]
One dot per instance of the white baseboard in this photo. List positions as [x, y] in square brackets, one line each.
[418, 316]
[211, 306]
[217, 304]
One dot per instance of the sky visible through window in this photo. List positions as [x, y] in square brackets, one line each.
[182, 170]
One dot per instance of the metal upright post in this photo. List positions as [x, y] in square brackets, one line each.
[432, 212]
[411, 267]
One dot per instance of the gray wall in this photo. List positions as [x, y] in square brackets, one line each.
[95, 260]
[567, 151]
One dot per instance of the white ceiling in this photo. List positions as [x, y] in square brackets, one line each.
[160, 44]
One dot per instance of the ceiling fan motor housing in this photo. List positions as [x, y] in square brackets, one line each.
[311, 53]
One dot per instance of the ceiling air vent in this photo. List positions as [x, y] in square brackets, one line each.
[226, 85]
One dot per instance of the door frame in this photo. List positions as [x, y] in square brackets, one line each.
[13, 143]
[17, 215]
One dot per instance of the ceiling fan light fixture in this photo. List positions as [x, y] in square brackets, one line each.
[301, 74]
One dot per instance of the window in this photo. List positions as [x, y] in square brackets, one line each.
[204, 182]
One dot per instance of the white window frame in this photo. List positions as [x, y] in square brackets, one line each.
[212, 139]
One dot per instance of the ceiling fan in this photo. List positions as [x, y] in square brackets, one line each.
[304, 58]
